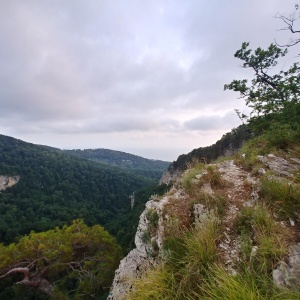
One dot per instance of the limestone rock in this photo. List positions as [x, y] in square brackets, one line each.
[7, 181]
[141, 258]
[287, 275]
[279, 165]
[170, 175]
[241, 189]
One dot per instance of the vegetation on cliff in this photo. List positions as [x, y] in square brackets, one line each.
[228, 144]
[249, 217]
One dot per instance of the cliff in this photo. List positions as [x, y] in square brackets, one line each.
[238, 200]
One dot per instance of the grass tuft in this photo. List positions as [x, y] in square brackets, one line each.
[243, 286]
[283, 197]
[189, 259]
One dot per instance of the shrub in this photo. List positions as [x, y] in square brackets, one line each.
[281, 136]
[213, 176]
[146, 236]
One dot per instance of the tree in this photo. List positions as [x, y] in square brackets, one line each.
[75, 257]
[290, 21]
[269, 93]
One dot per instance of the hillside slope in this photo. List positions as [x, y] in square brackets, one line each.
[227, 230]
[54, 188]
[227, 145]
[137, 164]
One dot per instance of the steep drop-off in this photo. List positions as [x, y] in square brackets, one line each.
[238, 198]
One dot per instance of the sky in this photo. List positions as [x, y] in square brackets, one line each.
[145, 77]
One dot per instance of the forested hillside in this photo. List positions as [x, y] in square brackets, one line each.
[56, 188]
[228, 144]
[138, 165]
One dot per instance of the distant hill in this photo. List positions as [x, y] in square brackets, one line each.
[55, 188]
[139, 165]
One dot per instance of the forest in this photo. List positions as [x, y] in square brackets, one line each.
[56, 188]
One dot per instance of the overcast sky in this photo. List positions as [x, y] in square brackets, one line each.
[144, 77]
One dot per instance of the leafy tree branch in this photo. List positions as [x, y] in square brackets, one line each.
[268, 92]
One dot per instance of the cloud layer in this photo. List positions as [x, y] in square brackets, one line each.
[149, 74]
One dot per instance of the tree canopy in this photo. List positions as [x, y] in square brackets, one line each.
[272, 95]
[56, 188]
[76, 261]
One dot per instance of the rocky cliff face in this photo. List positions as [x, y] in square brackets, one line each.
[240, 189]
[7, 181]
[171, 174]
[148, 241]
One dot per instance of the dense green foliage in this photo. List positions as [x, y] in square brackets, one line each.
[75, 262]
[273, 97]
[56, 188]
[229, 143]
[138, 165]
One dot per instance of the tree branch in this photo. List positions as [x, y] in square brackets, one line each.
[290, 22]
[24, 271]
[36, 281]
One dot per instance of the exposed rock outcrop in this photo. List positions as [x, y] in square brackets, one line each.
[287, 274]
[140, 258]
[148, 244]
[170, 175]
[241, 190]
[279, 165]
[8, 181]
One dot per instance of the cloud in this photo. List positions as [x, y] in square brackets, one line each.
[213, 122]
[133, 68]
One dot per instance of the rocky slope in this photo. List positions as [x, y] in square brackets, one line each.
[240, 189]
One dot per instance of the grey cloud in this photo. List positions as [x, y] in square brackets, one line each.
[125, 66]
[213, 122]
[102, 124]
